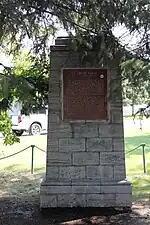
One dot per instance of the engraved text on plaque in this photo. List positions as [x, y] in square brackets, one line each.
[85, 94]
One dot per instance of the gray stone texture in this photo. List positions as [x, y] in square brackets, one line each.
[86, 158]
[72, 172]
[99, 144]
[71, 144]
[85, 165]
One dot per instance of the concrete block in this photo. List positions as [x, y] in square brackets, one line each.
[86, 158]
[85, 189]
[71, 172]
[124, 200]
[124, 189]
[57, 182]
[55, 80]
[52, 94]
[57, 158]
[48, 190]
[117, 130]
[48, 201]
[118, 144]
[117, 116]
[105, 131]
[112, 158]
[99, 144]
[71, 200]
[99, 172]
[95, 200]
[55, 103]
[119, 172]
[85, 130]
[60, 130]
[71, 144]
[107, 189]
[52, 172]
[53, 117]
[52, 145]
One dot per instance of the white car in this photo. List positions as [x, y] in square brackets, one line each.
[34, 123]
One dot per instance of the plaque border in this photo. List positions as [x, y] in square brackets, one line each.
[107, 121]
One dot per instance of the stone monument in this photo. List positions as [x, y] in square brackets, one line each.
[85, 164]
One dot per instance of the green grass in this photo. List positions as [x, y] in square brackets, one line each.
[16, 177]
[134, 162]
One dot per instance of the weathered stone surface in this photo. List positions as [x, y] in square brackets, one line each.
[56, 190]
[86, 189]
[99, 144]
[86, 158]
[100, 200]
[116, 116]
[115, 189]
[60, 130]
[52, 172]
[85, 130]
[57, 158]
[117, 130]
[48, 201]
[124, 189]
[105, 131]
[53, 117]
[95, 200]
[71, 200]
[119, 172]
[71, 172]
[118, 144]
[55, 103]
[71, 144]
[124, 200]
[52, 145]
[107, 189]
[112, 158]
[99, 172]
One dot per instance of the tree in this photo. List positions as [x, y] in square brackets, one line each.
[33, 74]
[37, 19]
[91, 21]
[136, 82]
[26, 82]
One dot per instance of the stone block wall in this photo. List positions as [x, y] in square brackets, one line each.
[85, 159]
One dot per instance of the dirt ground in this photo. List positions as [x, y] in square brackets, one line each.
[15, 212]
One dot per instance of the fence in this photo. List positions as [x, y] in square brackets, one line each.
[143, 154]
[32, 155]
[142, 146]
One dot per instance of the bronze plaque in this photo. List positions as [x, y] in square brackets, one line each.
[85, 94]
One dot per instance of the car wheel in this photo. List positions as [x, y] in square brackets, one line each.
[35, 129]
[18, 132]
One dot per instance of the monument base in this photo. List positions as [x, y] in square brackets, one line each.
[55, 194]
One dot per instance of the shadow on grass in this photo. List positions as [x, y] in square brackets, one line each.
[141, 188]
[19, 203]
[20, 183]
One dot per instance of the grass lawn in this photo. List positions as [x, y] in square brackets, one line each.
[16, 178]
[134, 161]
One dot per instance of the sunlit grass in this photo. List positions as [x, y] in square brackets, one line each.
[16, 177]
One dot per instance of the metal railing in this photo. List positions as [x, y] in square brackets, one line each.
[142, 146]
[32, 155]
[143, 154]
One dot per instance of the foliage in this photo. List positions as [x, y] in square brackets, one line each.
[34, 75]
[26, 82]
[38, 19]
[91, 21]
[136, 81]
[5, 129]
